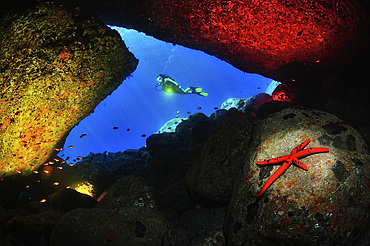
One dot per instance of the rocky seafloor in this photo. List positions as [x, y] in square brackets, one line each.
[194, 184]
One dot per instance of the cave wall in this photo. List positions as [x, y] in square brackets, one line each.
[319, 46]
[57, 63]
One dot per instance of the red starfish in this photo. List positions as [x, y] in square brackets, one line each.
[287, 160]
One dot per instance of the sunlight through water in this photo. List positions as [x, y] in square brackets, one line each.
[135, 110]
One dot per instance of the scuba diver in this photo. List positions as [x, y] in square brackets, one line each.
[167, 84]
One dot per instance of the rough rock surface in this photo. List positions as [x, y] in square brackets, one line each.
[249, 105]
[125, 226]
[212, 175]
[161, 208]
[34, 229]
[57, 63]
[3, 220]
[185, 128]
[171, 125]
[103, 170]
[283, 40]
[158, 142]
[68, 199]
[357, 117]
[176, 197]
[129, 192]
[195, 225]
[326, 205]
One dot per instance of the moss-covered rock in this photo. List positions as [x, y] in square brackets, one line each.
[56, 64]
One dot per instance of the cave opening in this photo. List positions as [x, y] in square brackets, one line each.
[136, 109]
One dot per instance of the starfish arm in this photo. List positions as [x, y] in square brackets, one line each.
[300, 164]
[274, 160]
[310, 151]
[300, 147]
[276, 174]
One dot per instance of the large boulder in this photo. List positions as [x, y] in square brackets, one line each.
[211, 177]
[197, 225]
[68, 199]
[129, 191]
[326, 205]
[57, 63]
[34, 229]
[125, 226]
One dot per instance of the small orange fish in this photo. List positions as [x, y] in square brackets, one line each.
[83, 135]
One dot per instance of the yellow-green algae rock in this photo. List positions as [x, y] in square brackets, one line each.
[56, 64]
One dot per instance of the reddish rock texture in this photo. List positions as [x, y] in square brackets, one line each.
[282, 39]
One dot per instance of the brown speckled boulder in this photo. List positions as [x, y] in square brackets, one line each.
[56, 64]
[325, 205]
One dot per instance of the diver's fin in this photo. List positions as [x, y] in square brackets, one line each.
[198, 91]
[195, 89]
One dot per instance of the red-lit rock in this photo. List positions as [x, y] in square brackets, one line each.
[256, 36]
[286, 93]
[57, 64]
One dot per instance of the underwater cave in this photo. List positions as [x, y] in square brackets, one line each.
[136, 108]
[184, 122]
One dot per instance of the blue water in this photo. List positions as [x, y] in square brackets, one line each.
[136, 108]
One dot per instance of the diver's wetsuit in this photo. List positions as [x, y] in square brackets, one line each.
[167, 84]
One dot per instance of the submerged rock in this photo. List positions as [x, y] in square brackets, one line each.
[101, 227]
[171, 125]
[103, 170]
[128, 192]
[58, 63]
[68, 199]
[34, 229]
[326, 205]
[249, 106]
[198, 225]
[211, 177]
[3, 220]
[158, 142]
[185, 128]
[176, 197]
